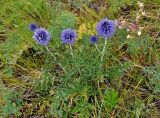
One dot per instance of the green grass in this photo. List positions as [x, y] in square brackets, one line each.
[126, 84]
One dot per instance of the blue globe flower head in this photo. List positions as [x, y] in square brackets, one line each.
[68, 36]
[33, 27]
[42, 36]
[93, 39]
[106, 28]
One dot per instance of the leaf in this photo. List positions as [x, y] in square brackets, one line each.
[55, 109]
[111, 98]
[12, 103]
[67, 20]
[9, 108]
[83, 109]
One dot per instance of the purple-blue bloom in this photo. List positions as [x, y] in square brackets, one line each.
[93, 39]
[106, 28]
[33, 27]
[42, 36]
[68, 36]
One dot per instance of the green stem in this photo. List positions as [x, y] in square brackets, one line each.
[103, 51]
[50, 52]
[97, 48]
[71, 51]
[54, 57]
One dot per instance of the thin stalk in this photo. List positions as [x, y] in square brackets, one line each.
[71, 51]
[50, 52]
[102, 101]
[97, 48]
[54, 57]
[103, 51]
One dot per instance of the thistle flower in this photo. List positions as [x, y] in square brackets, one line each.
[33, 27]
[93, 39]
[42, 36]
[68, 36]
[106, 28]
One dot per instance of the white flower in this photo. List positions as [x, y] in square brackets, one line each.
[140, 4]
[139, 33]
[143, 13]
[128, 36]
[120, 27]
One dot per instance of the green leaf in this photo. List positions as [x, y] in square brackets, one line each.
[111, 99]
[67, 20]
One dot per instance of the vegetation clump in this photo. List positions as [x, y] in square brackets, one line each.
[79, 58]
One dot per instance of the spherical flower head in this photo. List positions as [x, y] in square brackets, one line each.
[68, 36]
[93, 39]
[42, 36]
[33, 27]
[106, 28]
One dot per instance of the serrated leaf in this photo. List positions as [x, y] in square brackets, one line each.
[111, 98]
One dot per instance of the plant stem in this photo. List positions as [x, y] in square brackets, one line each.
[97, 48]
[54, 57]
[71, 51]
[50, 52]
[103, 51]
